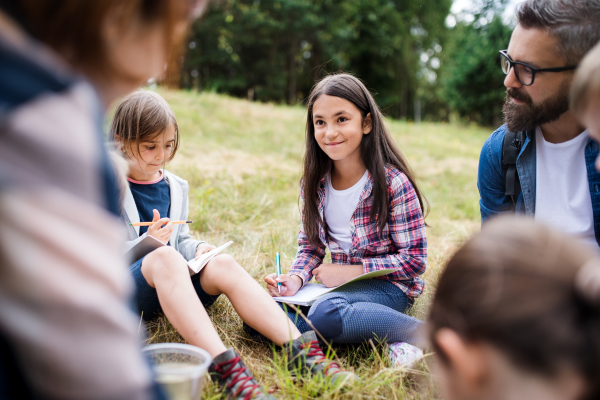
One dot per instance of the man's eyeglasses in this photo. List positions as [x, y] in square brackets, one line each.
[525, 73]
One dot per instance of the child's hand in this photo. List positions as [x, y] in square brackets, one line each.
[158, 231]
[332, 275]
[289, 284]
[203, 248]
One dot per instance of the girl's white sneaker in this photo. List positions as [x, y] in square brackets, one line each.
[404, 355]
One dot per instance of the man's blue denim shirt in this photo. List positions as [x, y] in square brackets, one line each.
[493, 201]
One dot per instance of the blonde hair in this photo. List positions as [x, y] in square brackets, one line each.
[142, 116]
[586, 83]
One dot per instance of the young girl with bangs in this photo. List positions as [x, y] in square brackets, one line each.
[145, 128]
[360, 201]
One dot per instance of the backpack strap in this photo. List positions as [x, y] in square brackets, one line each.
[511, 147]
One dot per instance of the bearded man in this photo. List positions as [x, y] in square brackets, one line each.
[541, 162]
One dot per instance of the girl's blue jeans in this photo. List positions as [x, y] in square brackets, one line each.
[371, 309]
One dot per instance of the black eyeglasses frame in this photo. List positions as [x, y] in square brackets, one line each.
[534, 70]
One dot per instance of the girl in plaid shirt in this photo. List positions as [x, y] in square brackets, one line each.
[360, 201]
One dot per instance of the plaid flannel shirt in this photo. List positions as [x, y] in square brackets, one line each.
[402, 244]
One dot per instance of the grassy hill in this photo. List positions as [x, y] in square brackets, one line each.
[243, 163]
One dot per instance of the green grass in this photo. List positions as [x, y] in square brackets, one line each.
[243, 162]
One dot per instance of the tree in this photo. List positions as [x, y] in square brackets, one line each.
[472, 81]
[274, 50]
[251, 48]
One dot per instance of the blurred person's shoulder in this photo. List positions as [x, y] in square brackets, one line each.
[50, 123]
[28, 70]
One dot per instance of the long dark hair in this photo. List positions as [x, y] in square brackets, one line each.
[531, 292]
[377, 149]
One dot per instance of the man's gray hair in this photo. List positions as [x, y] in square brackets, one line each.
[574, 23]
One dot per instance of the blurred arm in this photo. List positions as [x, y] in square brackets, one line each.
[64, 294]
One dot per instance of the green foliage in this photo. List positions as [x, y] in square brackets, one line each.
[273, 50]
[472, 82]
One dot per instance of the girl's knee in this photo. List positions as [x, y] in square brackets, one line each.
[222, 271]
[326, 318]
[164, 253]
[164, 261]
[224, 263]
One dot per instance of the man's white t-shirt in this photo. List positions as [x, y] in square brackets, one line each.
[339, 208]
[562, 198]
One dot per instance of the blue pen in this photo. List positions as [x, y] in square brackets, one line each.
[278, 261]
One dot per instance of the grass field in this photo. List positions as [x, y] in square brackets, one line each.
[243, 163]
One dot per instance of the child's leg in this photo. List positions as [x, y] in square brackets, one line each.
[223, 275]
[364, 310]
[301, 323]
[166, 270]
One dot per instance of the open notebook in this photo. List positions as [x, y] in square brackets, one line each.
[196, 265]
[149, 244]
[311, 291]
[141, 248]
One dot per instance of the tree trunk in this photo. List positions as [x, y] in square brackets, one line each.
[292, 70]
[404, 101]
[417, 108]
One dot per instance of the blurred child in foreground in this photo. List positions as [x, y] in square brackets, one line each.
[66, 329]
[585, 94]
[517, 316]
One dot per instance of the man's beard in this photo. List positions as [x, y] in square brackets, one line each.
[528, 116]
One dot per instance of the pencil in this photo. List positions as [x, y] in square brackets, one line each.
[152, 223]
[278, 262]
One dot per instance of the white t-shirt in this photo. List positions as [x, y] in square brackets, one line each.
[562, 197]
[339, 208]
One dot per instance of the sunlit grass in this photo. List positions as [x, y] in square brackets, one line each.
[243, 163]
